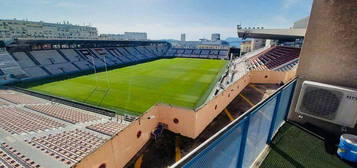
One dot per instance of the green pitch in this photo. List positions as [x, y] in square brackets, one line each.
[134, 89]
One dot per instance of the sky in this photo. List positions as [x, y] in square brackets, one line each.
[162, 19]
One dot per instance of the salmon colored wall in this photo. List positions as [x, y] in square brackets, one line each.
[123, 146]
[206, 114]
[186, 118]
[272, 77]
[119, 150]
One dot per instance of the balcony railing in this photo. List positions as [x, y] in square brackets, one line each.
[240, 143]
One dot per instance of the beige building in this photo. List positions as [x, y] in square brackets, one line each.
[245, 47]
[29, 29]
[125, 36]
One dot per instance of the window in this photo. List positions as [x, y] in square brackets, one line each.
[176, 121]
[102, 165]
[138, 135]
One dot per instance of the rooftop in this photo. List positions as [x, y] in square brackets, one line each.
[294, 147]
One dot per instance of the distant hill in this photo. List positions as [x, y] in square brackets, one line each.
[234, 41]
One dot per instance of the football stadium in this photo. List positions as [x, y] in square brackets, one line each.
[104, 103]
[118, 88]
[178, 81]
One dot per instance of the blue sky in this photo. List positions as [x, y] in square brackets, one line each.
[162, 19]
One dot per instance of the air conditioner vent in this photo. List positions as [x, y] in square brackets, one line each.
[321, 102]
[328, 103]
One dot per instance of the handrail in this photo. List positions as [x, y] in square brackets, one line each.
[221, 132]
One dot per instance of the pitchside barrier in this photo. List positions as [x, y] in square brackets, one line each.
[240, 143]
[211, 88]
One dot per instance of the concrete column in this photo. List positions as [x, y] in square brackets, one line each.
[329, 52]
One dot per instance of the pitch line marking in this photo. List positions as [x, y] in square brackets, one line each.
[228, 114]
[246, 99]
[257, 89]
[177, 149]
[139, 162]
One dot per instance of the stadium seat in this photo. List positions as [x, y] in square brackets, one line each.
[17, 121]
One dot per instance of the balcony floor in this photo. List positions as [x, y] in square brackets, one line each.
[293, 147]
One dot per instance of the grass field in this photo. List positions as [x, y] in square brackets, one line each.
[134, 89]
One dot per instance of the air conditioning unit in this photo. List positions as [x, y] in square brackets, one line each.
[329, 103]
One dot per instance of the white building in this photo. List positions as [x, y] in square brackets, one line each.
[215, 37]
[29, 29]
[125, 36]
[136, 35]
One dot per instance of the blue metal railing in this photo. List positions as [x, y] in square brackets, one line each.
[240, 142]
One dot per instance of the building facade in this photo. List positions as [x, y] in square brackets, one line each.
[28, 29]
[125, 36]
[183, 37]
[216, 37]
[245, 47]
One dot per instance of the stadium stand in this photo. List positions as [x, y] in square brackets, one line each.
[23, 59]
[132, 51]
[38, 129]
[145, 52]
[103, 56]
[14, 159]
[223, 53]
[71, 55]
[29, 65]
[3, 103]
[57, 69]
[47, 57]
[3, 91]
[172, 52]
[68, 147]
[109, 128]
[288, 66]
[106, 57]
[40, 64]
[118, 55]
[125, 53]
[198, 53]
[18, 98]
[36, 72]
[128, 51]
[161, 49]
[154, 52]
[90, 57]
[10, 67]
[83, 65]
[68, 114]
[204, 53]
[17, 121]
[274, 57]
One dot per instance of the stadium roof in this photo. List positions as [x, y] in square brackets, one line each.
[297, 31]
[277, 34]
[79, 41]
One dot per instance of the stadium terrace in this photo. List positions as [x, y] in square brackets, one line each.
[109, 103]
[115, 88]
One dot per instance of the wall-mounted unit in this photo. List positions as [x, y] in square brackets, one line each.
[329, 103]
